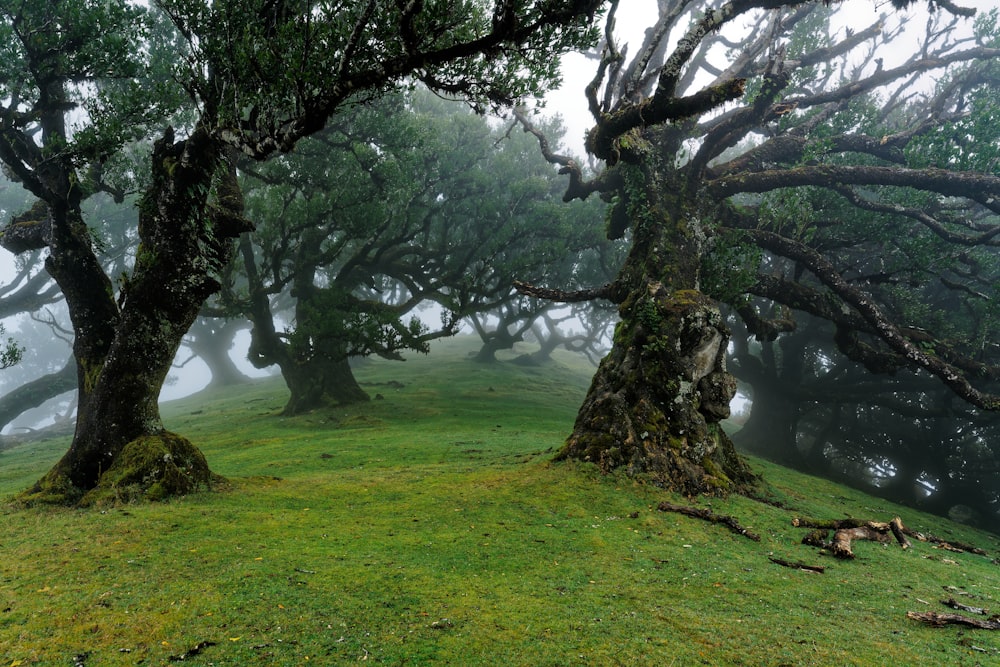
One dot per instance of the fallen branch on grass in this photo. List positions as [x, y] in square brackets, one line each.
[897, 528]
[949, 545]
[955, 604]
[798, 566]
[941, 620]
[193, 651]
[708, 515]
[849, 530]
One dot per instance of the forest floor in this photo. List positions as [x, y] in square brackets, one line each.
[430, 526]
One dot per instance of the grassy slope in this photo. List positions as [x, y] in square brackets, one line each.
[431, 528]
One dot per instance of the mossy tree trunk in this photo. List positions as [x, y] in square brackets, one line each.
[655, 404]
[125, 352]
[316, 372]
[321, 381]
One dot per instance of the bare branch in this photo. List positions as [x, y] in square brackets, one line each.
[880, 323]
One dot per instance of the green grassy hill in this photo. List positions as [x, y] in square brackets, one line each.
[430, 527]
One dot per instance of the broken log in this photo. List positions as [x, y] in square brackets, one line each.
[848, 530]
[708, 515]
[842, 539]
[941, 620]
[897, 528]
[955, 604]
[817, 538]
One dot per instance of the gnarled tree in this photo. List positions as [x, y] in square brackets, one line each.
[699, 130]
[405, 202]
[258, 76]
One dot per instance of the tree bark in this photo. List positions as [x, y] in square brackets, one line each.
[123, 356]
[656, 402]
[320, 381]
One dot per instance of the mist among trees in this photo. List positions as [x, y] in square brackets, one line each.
[774, 197]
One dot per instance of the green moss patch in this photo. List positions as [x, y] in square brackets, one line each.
[153, 467]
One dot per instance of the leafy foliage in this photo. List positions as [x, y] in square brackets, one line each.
[402, 203]
[11, 352]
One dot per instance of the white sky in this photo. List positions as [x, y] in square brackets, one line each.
[634, 16]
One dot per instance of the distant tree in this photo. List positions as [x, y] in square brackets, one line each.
[396, 205]
[258, 76]
[210, 339]
[514, 317]
[902, 436]
[714, 163]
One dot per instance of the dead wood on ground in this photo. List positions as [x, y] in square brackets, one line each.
[708, 515]
[797, 565]
[849, 530]
[940, 620]
[898, 530]
[955, 604]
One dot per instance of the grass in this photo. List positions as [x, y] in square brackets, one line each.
[430, 527]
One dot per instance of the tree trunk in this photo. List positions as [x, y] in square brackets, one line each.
[503, 337]
[771, 428]
[314, 377]
[319, 382]
[211, 341]
[655, 404]
[182, 243]
[656, 400]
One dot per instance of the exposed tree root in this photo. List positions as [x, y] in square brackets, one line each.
[708, 515]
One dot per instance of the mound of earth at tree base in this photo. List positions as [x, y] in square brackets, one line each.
[151, 467]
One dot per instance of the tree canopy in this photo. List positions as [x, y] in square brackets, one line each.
[399, 204]
[82, 77]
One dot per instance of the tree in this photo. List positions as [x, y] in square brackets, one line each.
[401, 203]
[210, 339]
[696, 153]
[259, 76]
[111, 220]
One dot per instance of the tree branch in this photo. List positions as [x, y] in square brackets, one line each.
[606, 292]
[880, 324]
[981, 188]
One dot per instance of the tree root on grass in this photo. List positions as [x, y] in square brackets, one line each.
[708, 515]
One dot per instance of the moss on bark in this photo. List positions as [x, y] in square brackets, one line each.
[149, 468]
[655, 404]
[153, 467]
